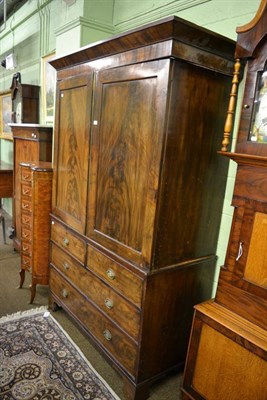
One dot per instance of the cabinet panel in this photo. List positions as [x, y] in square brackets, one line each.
[255, 270]
[127, 139]
[71, 158]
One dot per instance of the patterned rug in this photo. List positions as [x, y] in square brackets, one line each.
[38, 361]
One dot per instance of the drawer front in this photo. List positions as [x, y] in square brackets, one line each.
[26, 248]
[65, 239]
[112, 304]
[26, 220]
[26, 235]
[116, 343]
[26, 175]
[116, 275]
[26, 190]
[26, 262]
[26, 205]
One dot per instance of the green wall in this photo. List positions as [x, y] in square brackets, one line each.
[41, 27]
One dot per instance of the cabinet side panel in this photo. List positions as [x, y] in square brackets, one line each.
[194, 176]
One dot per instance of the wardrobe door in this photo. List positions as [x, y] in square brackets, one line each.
[127, 136]
[72, 150]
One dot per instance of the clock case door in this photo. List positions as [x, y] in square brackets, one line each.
[256, 66]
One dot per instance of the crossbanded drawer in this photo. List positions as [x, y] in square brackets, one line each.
[127, 283]
[26, 190]
[117, 344]
[26, 220]
[26, 175]
[26, 262]
[26, 248]
[65, 239]
[26, 205]
[26, 234]
[120, 310]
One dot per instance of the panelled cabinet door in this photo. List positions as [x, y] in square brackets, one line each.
[250, 248]
[127, 136]
[72, 155]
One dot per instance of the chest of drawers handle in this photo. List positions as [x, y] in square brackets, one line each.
[25, 191]
[64, 293]
[25, 220]
[66, 265]
[107, 334]
[109, 303]
[111, 274]
[26, 235]
[66, 242]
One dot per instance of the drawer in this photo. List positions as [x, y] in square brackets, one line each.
[120, 310]
[68, 241]
[26, 234]
[26, 220]
[26, 205]
[116, 344]
[127, 283]
[26, 190]
[26, 248]
[26, 175]
[26, 262]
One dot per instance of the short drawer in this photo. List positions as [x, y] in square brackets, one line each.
[68, 241]
[26, 248]
[26, 262]
[26, 190]
[120, 310]
[26, 234]
[26, 175]
[116, 344]
[26, 205]
[127, 283]
[26, 220]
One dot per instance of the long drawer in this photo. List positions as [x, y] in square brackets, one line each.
[127, 283]
[126, 315]
[117, 344]
[68, 241]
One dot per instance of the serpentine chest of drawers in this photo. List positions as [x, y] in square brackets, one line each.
[136, 197]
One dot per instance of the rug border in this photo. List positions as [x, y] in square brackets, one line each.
[22, 314]
[83, 356]
[47, 314]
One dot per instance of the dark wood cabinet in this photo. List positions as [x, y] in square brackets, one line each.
[36, 195]
[138, 191]
[31, 142]
[228, 349]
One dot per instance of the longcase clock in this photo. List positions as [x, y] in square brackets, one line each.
[228, 348]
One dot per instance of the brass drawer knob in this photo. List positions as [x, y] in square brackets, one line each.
[107, 334]
[65, 293]
[109, 303]
[66, 265]
[111, 274]
[66, 242]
